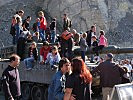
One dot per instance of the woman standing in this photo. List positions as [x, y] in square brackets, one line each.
[78, 83]
[43, 25]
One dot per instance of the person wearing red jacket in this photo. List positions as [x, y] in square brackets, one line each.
[43, 25]
[45, 49]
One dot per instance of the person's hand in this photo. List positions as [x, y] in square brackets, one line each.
[72, 97]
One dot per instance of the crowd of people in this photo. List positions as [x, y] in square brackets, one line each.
[73, 79]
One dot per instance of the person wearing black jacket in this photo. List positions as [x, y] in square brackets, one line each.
[53, 30]
[90, 34]
[110, 75]
[11, 80]
[32, 56]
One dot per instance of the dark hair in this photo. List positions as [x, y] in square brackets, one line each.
[62, 62]
[45, 43]
[65, 14]
[13, 57]
[92, 26]
[28, 17]
[80, 68]
[20, 11]
[54, 19]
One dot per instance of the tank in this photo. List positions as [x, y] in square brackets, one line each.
[110, 49]
[35, 82]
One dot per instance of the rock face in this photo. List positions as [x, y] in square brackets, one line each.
[115, 17]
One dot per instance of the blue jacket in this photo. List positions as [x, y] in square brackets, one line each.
[57, 86]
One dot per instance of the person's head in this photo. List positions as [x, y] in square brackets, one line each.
[17, 20]
[54, 50]
[93, 28]
[54, 19]
[64, 65]
[94, 37]
[41, 13]
[37, 34]
[79, 67]
[125, 69]
[102, 33]
[33, 45]
[38, 20]
[84, 35]
[74, 31]
[14, 60]
[28, 18]
[127, 61]
[21, 13]
[45, 44]
[65, 15]
[109, 56]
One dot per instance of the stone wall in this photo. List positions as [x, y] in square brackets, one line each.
[113, 16]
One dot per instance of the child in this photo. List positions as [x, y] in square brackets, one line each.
[103, 41]
[53, 58]
[45, 49]
[83, 45]
[35, 37]
[95, 47]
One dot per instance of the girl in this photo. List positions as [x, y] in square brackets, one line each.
[53, 58]
[32, 56]
[102, 40]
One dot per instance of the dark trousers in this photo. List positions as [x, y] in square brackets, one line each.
[16, 98]
[83, 55]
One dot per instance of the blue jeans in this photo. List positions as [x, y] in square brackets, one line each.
[29, 62]
[42, 34]
[83, 55]
[53, 36]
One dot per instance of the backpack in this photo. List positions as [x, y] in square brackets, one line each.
[66, 35]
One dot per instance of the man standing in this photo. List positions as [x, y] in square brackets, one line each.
[11, 80]
[90, 33]
[67, 23]
[110, 75]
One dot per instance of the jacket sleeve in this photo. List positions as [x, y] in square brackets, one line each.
[6, 88]
[48, 58]
[58, 91]
[36, 53]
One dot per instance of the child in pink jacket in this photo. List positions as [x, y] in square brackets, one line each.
[102, 40]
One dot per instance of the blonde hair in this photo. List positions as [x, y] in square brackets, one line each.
[34, 43]
[41, 13]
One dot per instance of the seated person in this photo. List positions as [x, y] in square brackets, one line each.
[29, 38]
[32, 56]
[45, 49]
[35, 37]
[53, 58]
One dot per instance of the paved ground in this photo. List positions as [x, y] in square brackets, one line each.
[2, 97]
